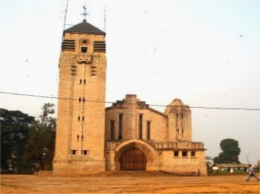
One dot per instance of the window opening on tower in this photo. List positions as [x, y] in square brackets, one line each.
[84, 49]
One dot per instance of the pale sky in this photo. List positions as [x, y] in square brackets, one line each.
[205, 52]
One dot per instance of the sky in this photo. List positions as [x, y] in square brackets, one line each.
[207, 53]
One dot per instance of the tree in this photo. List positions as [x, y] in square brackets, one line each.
[230, 152]
[14, 134]
[40, 145]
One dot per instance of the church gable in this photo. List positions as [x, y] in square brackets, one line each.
[132, 118]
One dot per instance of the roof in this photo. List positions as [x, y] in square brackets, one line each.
[84, 28]
[230, 165]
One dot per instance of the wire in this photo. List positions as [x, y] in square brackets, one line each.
[198, 107]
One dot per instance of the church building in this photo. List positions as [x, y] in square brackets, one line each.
[128, 135]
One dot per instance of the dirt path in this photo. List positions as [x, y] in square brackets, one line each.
[33, 184]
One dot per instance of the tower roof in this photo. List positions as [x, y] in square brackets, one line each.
[84, 28]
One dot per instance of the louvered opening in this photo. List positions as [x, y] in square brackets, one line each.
[68, 45]
[99, 46]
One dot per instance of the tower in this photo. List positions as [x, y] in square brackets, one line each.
[81, 104]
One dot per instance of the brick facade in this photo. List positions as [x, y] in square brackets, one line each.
[164, 138]
[91, 138]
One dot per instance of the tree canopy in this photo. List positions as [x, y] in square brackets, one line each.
[230, 152]
[14, 135]
[26, 140]
[40, 145]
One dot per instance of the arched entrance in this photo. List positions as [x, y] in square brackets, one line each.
[133, 159]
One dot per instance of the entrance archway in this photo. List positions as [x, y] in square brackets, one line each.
[133, 159]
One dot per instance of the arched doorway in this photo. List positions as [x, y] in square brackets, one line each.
[133, 159]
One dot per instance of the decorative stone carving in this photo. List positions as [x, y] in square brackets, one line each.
[84, 59]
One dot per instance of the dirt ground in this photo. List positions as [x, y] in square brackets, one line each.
[128, 184]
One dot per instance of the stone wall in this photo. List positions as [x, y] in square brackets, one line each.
[81, 106]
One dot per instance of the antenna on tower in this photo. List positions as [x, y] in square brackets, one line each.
[64, 22]
[105, 18]
[66, 10]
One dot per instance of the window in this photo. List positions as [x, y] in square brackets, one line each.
[73, 152]
[184, 153]
[140, 126]
[193, 153]
[79, 99]
[78, 118]
[84, 152]
[148, 126]
[112, 129]
[120, 126]
[84, 81]
[84, 41]
[68, 45]
[80, 81]
[99, 46]
[84, 49]
[176, 153]
[83, 118]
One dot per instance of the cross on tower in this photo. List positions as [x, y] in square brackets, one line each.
[85, 13]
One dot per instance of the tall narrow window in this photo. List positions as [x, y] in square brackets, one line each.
[120, 126]
[112, 129]
[84, 152]
[140, 126]
[84, 81]
[80, 81]
[148, 126]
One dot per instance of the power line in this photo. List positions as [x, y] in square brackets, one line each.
[196, 107]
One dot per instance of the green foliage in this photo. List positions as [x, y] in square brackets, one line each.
[230, 152]
[40, 145]
[14, 135]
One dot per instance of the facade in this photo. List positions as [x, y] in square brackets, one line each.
[129, 135]
[81, 106]
[138, 137]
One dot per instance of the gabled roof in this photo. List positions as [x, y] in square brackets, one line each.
[84, 28]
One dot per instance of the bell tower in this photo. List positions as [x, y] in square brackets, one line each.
[81, 104]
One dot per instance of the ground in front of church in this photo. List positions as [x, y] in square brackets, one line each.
[128, 183]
